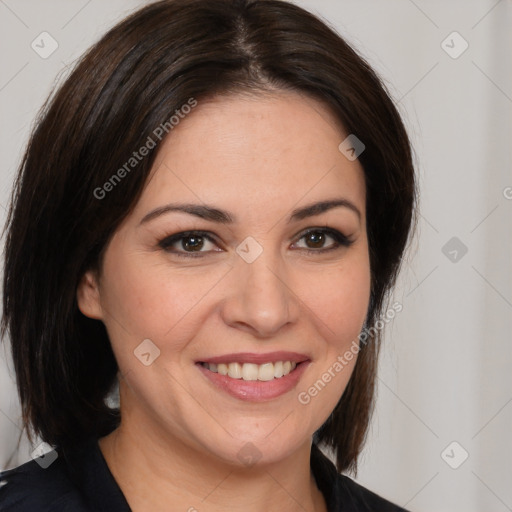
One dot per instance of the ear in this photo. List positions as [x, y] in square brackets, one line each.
[88, 296]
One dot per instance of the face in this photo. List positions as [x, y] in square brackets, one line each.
[247, 253]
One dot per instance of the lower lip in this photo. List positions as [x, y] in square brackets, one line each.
[256, 390]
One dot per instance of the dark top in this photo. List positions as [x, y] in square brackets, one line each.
[84, 483]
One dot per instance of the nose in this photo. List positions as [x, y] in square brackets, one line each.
[260, 300]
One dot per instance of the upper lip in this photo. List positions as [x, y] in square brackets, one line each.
[248, 357]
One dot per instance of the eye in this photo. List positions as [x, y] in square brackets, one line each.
[197, 243]
[189, 243]
[322, 240]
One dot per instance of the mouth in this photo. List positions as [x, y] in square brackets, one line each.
[251, 371]
[255, 377]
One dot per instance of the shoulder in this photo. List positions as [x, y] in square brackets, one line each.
[33, 488]
[341, 493]
[78, 480]
[354, 497]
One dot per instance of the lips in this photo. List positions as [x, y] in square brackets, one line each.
[248, 357]
[251, 371]
[255, 377]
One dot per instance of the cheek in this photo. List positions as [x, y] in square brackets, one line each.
[338, 308]
[153, 301]
[339, 298]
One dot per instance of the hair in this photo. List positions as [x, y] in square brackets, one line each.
[122, 89]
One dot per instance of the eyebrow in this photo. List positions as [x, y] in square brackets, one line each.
[223, 217]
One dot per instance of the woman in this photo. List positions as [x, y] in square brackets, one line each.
[210, 215]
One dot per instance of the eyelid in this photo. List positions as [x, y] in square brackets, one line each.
[322, 229]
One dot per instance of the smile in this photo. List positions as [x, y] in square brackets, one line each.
[254, 377]
[251, 371]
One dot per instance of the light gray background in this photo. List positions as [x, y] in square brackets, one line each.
[446, 363]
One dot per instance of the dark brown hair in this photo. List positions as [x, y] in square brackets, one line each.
[128, 84]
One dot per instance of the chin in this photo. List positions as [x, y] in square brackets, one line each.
[251, 451]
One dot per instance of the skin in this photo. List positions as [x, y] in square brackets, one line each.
[258, 157]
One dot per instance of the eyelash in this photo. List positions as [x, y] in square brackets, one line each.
[339, 238]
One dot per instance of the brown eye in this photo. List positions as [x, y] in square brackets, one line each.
[189, 243]
[322, 240]
[315, 239]
[192, 243]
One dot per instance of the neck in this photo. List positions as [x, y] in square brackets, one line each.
[155, 471]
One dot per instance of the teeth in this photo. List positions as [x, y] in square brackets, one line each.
[251, 371]
[266, 371]
[278, 369]
[235, 370]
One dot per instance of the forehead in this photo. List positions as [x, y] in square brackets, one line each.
[276, 148]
